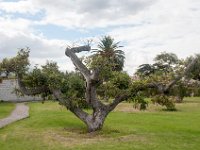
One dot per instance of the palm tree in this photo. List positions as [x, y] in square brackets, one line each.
[109, 49]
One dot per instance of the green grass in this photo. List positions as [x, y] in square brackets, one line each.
[6, 109]
[51, 127]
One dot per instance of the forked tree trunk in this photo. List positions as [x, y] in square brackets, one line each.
[95, 125]
[95, 120]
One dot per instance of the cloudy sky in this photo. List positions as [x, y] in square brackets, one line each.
[144, 27]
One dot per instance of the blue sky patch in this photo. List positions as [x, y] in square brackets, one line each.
[58, 32]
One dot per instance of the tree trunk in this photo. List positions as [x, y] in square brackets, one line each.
[95, 125]
[96, 120]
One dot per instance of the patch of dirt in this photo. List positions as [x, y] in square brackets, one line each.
[126, 107]
[74, 138]
[131, 137]
[71, 139]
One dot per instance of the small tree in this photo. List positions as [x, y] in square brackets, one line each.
[166, 72]
[16, 64]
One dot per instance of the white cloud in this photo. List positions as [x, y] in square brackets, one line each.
[18, 33]
[147, 27]
[90, 13]
[11, 27]
[166, 26]
[41, 49]
[23, 6]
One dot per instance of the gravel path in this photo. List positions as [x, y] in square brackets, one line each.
[21, 111]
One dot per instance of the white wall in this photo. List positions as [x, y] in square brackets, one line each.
[7, 92]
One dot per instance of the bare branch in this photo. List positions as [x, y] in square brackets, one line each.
[79, 49]
[58, 95]
[116, 101]
[66, 102]
[123, 97]
[91, 77]
[70, 52]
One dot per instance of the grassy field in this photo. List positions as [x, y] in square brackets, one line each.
[52, 127]
[6, 109]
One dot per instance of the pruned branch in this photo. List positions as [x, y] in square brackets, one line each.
[91, 77]
[70, 52]
[79, 49]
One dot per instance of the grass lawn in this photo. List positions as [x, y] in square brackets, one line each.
[52, 127]
[6, 109]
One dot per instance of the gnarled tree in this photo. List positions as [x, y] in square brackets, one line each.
[95, 120]
[100, 110]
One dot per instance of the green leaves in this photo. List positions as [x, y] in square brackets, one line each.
[195, 71]
[17, 64]
[108, 50]
[164, 100]
[35, 78]
[48, 76]
[71, 84]
[118, 84]
[139, 101]
[121, 80]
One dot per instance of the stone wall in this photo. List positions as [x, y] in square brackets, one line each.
[7, 92]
